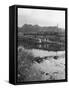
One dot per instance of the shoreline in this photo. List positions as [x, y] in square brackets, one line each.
[42, 53]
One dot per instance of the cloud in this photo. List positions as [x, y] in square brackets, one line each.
[41, 17]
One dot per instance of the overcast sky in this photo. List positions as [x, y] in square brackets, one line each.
[41, 17]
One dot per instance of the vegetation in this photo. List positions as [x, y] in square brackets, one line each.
[52, 33]
[25, 70]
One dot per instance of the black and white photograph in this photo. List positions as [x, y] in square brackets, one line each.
[41, 45]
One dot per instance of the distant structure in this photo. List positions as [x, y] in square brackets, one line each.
[57, 25]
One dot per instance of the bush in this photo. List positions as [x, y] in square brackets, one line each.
[25, 70]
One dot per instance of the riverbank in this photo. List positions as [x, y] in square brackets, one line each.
[41, 65]
[43, 53]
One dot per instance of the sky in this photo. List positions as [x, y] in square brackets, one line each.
[41, 17]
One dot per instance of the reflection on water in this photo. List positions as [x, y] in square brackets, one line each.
[45, 46]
